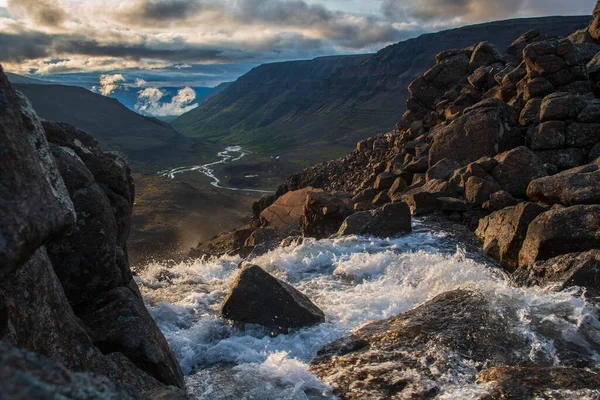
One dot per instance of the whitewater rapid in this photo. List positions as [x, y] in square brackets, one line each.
[354, 280]
[228, 155]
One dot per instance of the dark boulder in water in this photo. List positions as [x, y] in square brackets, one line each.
[257, 297]
[389, 220]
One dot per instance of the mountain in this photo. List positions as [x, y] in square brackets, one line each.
[110, 122]
[319, 108]
[21, 79]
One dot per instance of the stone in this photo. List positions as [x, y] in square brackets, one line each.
[546, 136]
[594, 28]
[381, 198]
[442, 170]
[499, 200]
[504, 231]
[579, 185]
[561, 106]
[479, 78]
[452, 204]
[516, 169]
[561, 231]
[324, 213]
[389, 220]
[364, 195]
[423, 199]
[418, 165]
[485, 129]
[530, 115]
[286, 212]
[478, 190]
[515, 50]
[563, 158]
[384, 181]
[573, 269]
[484, 54]
[262, 236]
[256, 297]
[398, 186]
[583, 135]
[537, 88]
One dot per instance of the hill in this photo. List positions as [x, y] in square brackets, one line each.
[319, 108]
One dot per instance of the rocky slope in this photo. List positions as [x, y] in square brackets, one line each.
[327, 104]
[506, 143]
[72, 320]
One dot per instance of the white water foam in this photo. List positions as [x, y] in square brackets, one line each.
[354, 280]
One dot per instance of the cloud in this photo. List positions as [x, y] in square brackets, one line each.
[150, 102]
[43, 12]
[143, 12]
[109, 83]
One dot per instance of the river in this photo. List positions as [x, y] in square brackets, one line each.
[354, 280]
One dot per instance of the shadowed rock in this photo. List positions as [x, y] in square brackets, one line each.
[389, 220]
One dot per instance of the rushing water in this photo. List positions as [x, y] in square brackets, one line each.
[354, 280]
[228, 155]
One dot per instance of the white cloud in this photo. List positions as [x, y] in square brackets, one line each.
[150, 102]
[109, 83]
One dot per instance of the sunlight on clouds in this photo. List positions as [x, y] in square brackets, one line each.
[150, 102]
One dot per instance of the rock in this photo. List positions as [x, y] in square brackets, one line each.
[548, 135]
[484, 54]
[563, 158]
[594, 28]
[516, 168]
[34, 203]
[324, 213]
[365, 195]
[423, 199]
[485, 129]
[262, 236]
[286, 212]
[561, 231]
[381, 199]
[398, 186]
[579, 185]
[442, 170]
[561, 106]
[384, 181]
[389, 220]
[515, 50]
[537, 88]
[556, 60]
[499, 200]
[504, 231]
[452, 204]
[256, 297]
[418, 165]
[530, 115]
[455, 322]
[536, 382]
[574, 269]
[582, 135]
[478, 190]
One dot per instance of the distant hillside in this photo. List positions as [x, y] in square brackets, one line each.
[323, 106]
[114, 125]
[20, 79]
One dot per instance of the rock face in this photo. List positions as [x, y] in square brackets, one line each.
[561, 231]
[256, 297]
[66, 291]
[389, 220]
[575, 269]
[504, 231]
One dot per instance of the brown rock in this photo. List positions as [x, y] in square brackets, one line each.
[424, 198]
[499, 200]
[389, 220]
[286, 212]
[579, 185]
[478, 190]
[516, 168]
[442, 170]
[546, 136]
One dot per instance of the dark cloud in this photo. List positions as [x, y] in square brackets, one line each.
[42, 12]
[24, 46]
[149, 12]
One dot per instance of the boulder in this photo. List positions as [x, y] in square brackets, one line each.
[384, 181]
[442, 170]
[516, 169]
[583, 135]
[256, 297]
[324, 213]
[574, 269]
[478, 190]
[561, 107]
[398, 186]
[423, 199]
[579, 185]
[563, 158]
[560, 231]
[594, 28]
[485, 129]
[530, 115]
[484, 54]
[547, 135]
[504, 231]
[286, 212]
[499, 200]
[389, 220]
[381, 199]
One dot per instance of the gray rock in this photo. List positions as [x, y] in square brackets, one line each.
[389, 220]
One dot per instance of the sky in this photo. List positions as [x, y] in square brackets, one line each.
[192, 43]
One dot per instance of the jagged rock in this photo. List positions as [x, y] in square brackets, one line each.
[579, 185]
[34, 203]
[561, 231]
[504, 231]
[537, 382]
[456, 322]
[442, 170]
[516, 168]
[548, 135]
[485, 129]
[499, 200]
[389, 220]
[574, 269]
[324, 213]
[286, 212]
[478, 190]
[256, 297]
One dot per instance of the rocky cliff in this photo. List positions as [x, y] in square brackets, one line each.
[333, 102]
[72, 320]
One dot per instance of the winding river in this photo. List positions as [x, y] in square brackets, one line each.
[228, 155]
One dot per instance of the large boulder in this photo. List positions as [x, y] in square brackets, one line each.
[516, 169]
[485, 129]
[286, 212]
[324, 213]
[424, 199]
[257, 297]
[579, 185]
[574, 269]
[503, 232]
[389, 220]
[559, 231]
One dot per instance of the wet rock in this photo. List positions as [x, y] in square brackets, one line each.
[537, 382]
[516, 169]
[389, 220]
[256, 297]
[561, 231]
[324, 213]
[485, 129]
[504, 231]
[499, 200]
[579, 185]
[574, 269]
[262, 236]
